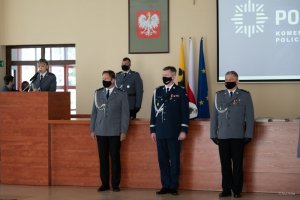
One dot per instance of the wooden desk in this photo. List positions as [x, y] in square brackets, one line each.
[270, 159]
[24, 134]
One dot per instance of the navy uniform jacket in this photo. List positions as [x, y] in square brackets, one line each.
[233, 117]
[110, 117]
[47, 84]
[169, 112]
[133, 85]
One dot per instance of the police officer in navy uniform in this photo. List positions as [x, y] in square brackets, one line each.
[231, 128]
[131, 82]
[168, 127]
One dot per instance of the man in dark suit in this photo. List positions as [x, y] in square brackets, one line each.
[131, 82]
[8, 84]
[45, 80]
[168, 127]
[232, 126]
[109, 125]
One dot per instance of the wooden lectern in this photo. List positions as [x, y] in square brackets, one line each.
[24, 134]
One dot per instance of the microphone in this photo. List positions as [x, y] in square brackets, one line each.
[34, 77]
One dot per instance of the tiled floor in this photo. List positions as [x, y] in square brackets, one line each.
[17, 192]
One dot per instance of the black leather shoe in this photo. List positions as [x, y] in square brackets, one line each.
[116, 189]
[163, 191]
[225, 194]
[173, 192]
[237, 195]
[103, 188]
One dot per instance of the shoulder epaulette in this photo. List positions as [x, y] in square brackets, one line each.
[179, 86]
[159, 87]
[119, 72]
[244, 90]
[100, 89]
[220, 91]
[120, 89]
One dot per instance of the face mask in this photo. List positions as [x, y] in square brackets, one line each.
[230, 85]
[125, 67]
[106, 84]
[167, 80]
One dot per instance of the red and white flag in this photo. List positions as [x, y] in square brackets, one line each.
[191, 89]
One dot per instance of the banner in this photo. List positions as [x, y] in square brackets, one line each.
[202, 103]
[181, 73]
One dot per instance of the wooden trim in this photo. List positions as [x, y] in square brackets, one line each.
[80, 116]
[40, 45]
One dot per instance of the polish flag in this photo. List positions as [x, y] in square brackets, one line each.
[191, 88]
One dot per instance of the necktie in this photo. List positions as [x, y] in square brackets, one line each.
[107, 94]
[125, 74]
[231, 94]
[168, 90]
[41, 77]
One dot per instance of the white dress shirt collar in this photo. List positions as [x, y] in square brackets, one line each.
[170, 87]
[233, 91]
[110, 90]
[43, 74]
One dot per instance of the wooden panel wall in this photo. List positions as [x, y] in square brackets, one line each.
[24, 138]
[271, 162]
[74, 156]
[270, 159]
[59, 105]
[24, 135]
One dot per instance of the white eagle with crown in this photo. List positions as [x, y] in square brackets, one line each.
[148, 23]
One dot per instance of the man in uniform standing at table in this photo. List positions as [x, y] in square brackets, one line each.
[44, 80]
[131, 82]
[232, 126]
[168, 127]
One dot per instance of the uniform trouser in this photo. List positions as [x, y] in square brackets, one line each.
[231, 156]
[109, 145]
[169, 162]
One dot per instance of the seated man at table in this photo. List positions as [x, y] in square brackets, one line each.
[9, 84]
[24, 86]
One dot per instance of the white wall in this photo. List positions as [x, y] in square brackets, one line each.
[2, 48]
[99, 28]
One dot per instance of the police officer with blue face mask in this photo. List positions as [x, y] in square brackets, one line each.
[168, 127]
[232, 126]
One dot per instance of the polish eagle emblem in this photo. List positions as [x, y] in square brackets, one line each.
[148, 24]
